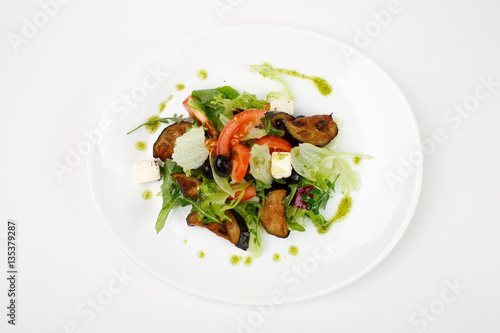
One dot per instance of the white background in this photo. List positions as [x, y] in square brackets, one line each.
[52, 86]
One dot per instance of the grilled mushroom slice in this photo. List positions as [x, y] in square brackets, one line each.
[228, 230]
[272, 215]
[317, 130]
[164, 145]
[189, 185]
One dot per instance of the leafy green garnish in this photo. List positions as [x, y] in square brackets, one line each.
[270, 129]
[249, 212]
[267, 70]
[190, 150]
[229, 92]
[260, 163]
[175, 119]
[170, 192]
[218, 104]
[320, 196]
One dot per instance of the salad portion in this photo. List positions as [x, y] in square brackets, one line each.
[247, 166]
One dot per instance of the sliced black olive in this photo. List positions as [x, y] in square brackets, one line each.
[207, 170]
[294, 178]
[222, 166]
[244, 232]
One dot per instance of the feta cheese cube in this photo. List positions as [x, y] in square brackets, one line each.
[281, 105]
[281, 165]
[147, 171]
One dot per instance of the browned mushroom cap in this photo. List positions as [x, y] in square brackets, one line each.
[272, 215]
[189, 185]
[164, 146]
[227, 230]
[317, 130]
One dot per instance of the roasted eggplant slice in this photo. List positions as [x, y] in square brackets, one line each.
[317, 130]
[228, 230]
[189, 185]
[272, 215]
[278, 117]
[244, 232]
[278, 121]
[164, 146]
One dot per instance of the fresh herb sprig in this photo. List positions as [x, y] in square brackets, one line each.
[175, 119]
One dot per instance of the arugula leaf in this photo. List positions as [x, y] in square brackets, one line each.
[320, 196]
[293, 214]
[175, 118]
[170, 192]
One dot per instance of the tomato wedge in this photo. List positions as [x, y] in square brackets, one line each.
[240, 157]
[250, 192]
[236, 129]
[200, 116]
[275, 143]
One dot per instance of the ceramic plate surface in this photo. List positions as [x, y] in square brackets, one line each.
[376, 120]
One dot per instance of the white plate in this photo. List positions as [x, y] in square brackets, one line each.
[376, 120]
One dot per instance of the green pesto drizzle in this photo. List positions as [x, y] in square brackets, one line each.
[356, 160]
[201, 254]
[180, 86]
[276, 257]
[153, 127]
[163, 104]
[321, 84]
[293, 250]
[141, 145]
[147, 194]
[202, 74]
[248, 260]
[343, 210]
[235, 260]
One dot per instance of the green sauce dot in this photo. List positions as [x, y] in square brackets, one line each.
[248, 260]
[235, 260]
[153, 127]
[201, 254]
[356, 160]
[180, 86]
[141, 145]
[293, 250]
[147, 194]
[163, 104]
[276, 257]
[343, 210]
[184, 241]
[202, 74]
[322, 85]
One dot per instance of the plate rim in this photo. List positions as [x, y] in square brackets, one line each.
[418, 170]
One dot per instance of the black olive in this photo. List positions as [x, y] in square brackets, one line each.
[207, 170]
[222, 166]
[294, 178]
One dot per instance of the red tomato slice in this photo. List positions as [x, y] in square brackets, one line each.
[236, 128]
[250, 192]
[200, 116]
[275, 143]
[240, 157]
